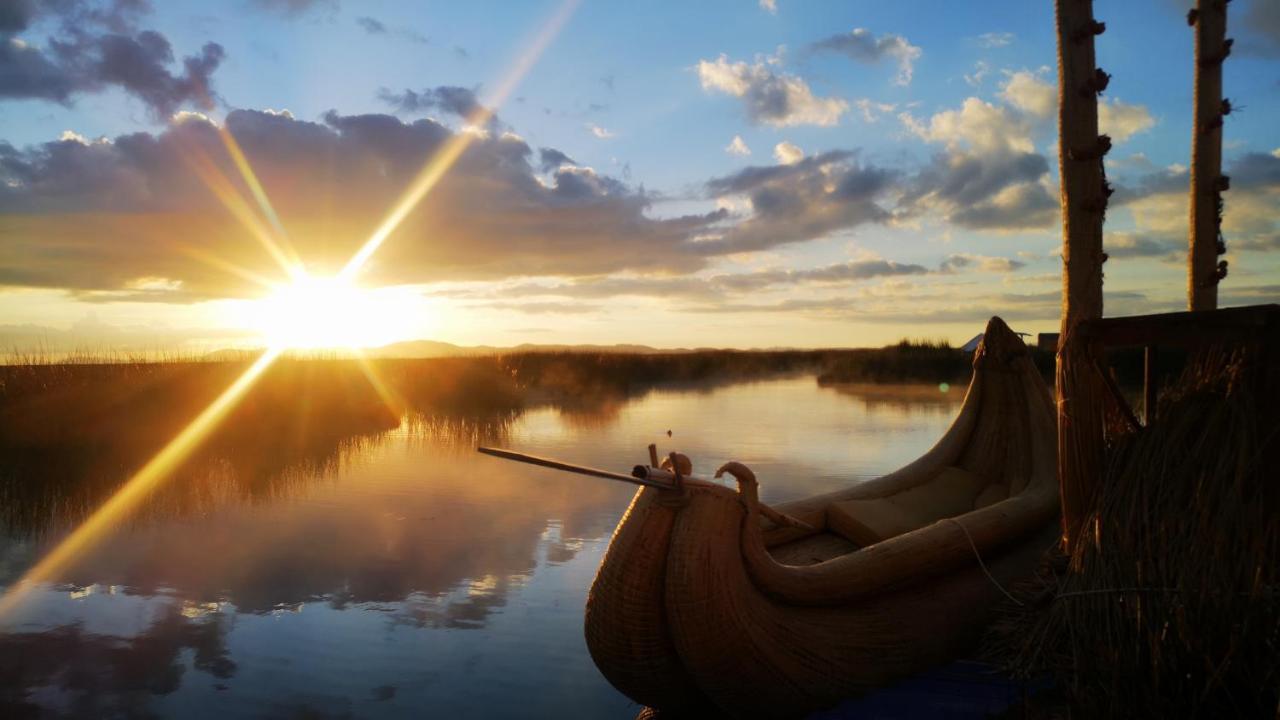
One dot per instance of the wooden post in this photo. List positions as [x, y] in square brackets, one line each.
[1150, 385]
[1204, 271]
[1084, 202]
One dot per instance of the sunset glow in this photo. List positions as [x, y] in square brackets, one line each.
[329, 312]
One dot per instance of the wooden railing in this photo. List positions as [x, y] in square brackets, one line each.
[1254, 324]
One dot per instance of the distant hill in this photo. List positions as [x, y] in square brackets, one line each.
[433, 348]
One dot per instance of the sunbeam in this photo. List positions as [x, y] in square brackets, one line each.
[259, 194]
[274, 241]
[438, 165]
[118, 507]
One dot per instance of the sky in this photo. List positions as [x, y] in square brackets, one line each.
[746, 173]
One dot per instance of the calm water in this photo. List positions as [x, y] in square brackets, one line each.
[407, 575]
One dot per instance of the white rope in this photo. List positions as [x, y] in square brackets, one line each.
[981, 564]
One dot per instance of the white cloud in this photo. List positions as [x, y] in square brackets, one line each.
[1031, 93]
[772, 98]
[995, 39]
[1037, 96]
[737, 146]
[787, 154]
[871, 110]
[978, 124]
[599, 132]
[769, 5]
[1122, 121]
[980, 71]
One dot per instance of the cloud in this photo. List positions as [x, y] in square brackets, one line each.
[373, 26]
[458, 101]
[1038, 98]
[713, 288]
[1261, 29]
[98, 46]
[598, 131]
[1122, 121]
[737, 146]
[982, 263]
[808, 199]
[1032, 94]
[995, 39]
[1139, 245]
[105, 215]
[871, 110]
[771, 97]
[989, 176]
[787, 154]
[296, 8]
[862, 46]
[1157, 201]
[550, 159]
[770, 6]
[980, 71]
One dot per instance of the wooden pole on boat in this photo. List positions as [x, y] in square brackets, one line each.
[1084, 201]
[640, 475]
[1204, 270]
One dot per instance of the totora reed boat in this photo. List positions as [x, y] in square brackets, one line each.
[707, 602]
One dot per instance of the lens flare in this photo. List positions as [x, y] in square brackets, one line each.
[275, 241]
[117, 508]
[448, 154]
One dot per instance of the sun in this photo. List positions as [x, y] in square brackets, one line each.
[328, 312]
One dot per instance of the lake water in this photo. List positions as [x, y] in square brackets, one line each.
[407, 576]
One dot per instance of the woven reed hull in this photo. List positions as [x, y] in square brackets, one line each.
[690, 614]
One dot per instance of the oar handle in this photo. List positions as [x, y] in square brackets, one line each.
[570, 467]
[640, 475]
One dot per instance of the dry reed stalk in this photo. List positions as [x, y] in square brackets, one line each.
[1171, 607]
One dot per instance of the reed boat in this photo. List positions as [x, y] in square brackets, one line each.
[707, 602]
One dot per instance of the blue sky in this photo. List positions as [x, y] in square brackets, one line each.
[899, 181]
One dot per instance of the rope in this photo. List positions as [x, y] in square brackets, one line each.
[981, 564]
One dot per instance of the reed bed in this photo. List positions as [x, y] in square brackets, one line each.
[1169, 605]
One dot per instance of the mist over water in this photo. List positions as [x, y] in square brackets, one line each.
[399, 570]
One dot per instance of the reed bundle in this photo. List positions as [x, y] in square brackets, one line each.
[1169, 605]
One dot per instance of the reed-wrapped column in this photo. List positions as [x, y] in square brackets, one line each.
[1204, 270]
[1084, 202]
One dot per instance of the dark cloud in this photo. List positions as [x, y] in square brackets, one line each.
[862, 46]
[133, 213]
[805, 200]
[97, 46]
[1266, 243]
[451, 99]
[1261, 28]
[1133, 245]
[16, 15]
[551, 159]
[984, 263]
[1025, 206]
[373, 26]
[1255, 170]
[998, 189]
[296, 8]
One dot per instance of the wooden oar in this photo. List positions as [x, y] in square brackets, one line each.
[570, 467]
[640, 475]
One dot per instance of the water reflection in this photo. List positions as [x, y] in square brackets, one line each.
[382, 572]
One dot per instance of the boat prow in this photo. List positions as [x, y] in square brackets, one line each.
[701, 604]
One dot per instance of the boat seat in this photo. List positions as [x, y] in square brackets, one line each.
[950, 493]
